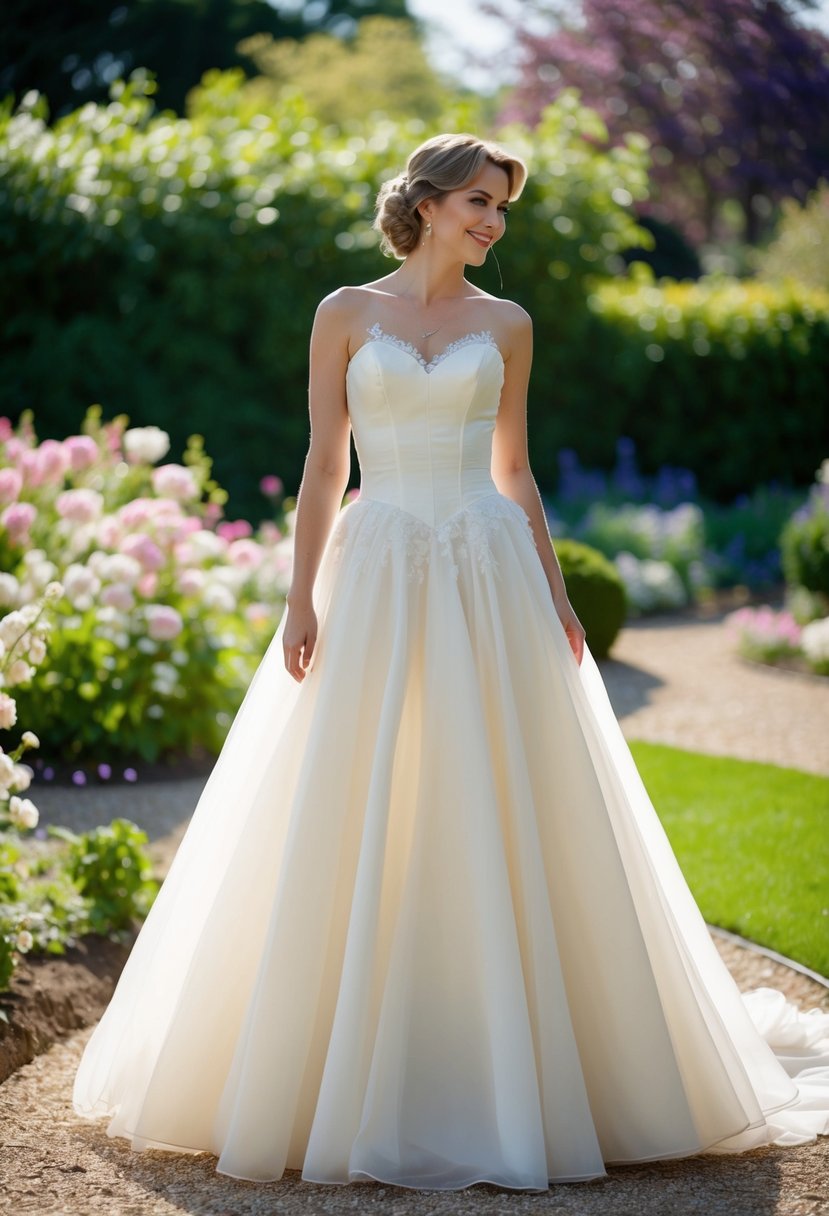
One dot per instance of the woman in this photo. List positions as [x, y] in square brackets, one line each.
[424, 926]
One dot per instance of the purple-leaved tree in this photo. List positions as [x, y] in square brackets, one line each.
[733, 95]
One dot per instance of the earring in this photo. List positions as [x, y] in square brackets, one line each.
[427, 231]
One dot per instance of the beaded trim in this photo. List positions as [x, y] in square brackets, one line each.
[378, 334]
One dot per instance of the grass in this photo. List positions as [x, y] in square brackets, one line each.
[753, 843]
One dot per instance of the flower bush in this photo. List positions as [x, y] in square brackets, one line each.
[167, 609]
[670, 545]
[799, 634]
[54, 891]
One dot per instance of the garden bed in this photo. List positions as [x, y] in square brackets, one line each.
[51, 995]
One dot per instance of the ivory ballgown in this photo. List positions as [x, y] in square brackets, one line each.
[424, 925]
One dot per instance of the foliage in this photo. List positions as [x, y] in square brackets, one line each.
[732, 375]
[110, 867]
[72, 52]
[805, 541]
[382, 70]
[670, 544]
[596, 592]
[800, 247]
[751, 840]
[731, 95]
[23, 635]
[54, 891]
[171, 268]
[166, 611]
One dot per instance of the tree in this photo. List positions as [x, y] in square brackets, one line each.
[731, 93]
[383, 68]
[72, 52]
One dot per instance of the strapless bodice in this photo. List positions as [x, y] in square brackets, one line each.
[423, 431]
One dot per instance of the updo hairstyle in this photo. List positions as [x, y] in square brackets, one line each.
[441, 164]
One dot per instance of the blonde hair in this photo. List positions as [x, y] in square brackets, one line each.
[441, 164]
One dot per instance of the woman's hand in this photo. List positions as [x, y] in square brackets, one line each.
[299, 639]
[572, 627]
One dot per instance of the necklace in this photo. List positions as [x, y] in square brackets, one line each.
[429, 332]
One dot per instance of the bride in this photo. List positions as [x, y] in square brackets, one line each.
[424, 926]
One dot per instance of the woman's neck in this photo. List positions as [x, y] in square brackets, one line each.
[423, 280]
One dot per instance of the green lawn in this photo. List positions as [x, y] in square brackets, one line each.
[753, 843]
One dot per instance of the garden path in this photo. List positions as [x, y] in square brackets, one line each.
[671, 680]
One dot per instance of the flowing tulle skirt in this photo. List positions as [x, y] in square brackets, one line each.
[424, 925]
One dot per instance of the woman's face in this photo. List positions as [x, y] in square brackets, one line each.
[473, 218]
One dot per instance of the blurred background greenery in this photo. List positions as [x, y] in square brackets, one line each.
[182, 180]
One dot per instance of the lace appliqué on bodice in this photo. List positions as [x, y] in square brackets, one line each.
[382, 531]
[378, 334]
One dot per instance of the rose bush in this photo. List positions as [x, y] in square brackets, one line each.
[167, 608]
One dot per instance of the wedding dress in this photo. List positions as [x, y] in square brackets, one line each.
[424, 925]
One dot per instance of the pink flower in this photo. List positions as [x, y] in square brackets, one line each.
[175, 481]
[15, 448]
[233, 530]
[137, 513]
[271, 485]
[81, 506]
[269, 533]
[245, 554]
[82, 451]
[18, 518]
[118, 595]
[29, 465]
[190, 581]
[147, 585]
[6, 430]
[212, 512]
[53, 460]
[109, 532]
[143, 549]
[11, 483]
[163, 622]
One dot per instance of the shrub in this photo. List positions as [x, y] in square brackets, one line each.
[165, 611]
[595, 590]
[730, 376]
[800, 247]
[805, 542]
[112, 871]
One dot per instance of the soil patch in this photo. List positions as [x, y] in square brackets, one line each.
[52, 994]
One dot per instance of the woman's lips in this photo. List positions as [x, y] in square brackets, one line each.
[484, 241]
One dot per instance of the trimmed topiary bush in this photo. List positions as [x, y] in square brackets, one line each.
[596, 591]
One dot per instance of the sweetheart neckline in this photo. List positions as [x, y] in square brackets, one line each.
[473, 337]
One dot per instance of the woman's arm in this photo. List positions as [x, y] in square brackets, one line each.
[511, 470]
[324, 478]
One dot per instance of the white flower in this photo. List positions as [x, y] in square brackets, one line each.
[814, 640]
[175, 481]
[22, 812]
[6, 771]
[23, 775]
[30, 739]
[20, 672]
[145, 444]
[219, 598]
[116, 568]
[24, 941]
[37, 650]
[8, 711]
[54, 591]
[9, 591]
[82, 586]
[12, 627]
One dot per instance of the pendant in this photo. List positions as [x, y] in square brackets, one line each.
[430, 333]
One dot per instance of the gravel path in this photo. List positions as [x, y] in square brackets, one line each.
[673, 681]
